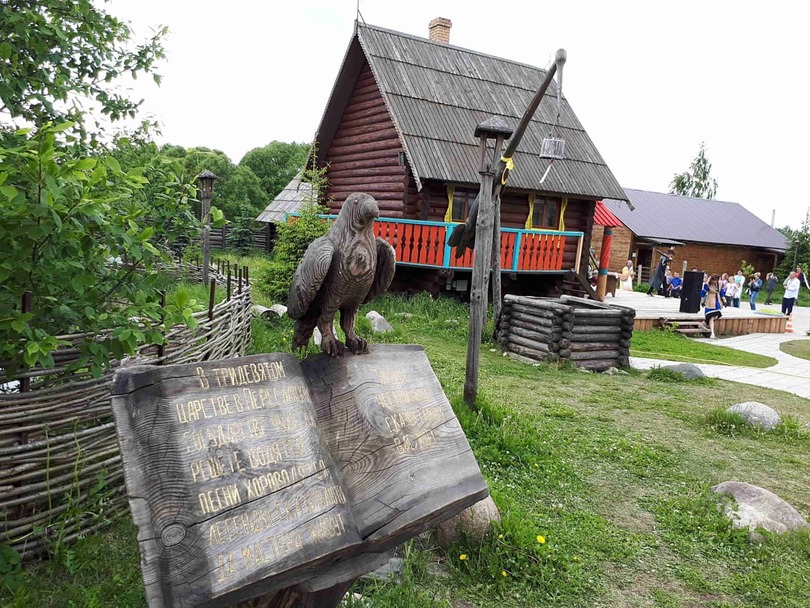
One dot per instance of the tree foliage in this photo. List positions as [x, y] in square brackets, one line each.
[798, 251]
[237, 188]
[78, 237]
[276, 164]
[697, 181]
[82, 227]
[294, 237]
[58, 55]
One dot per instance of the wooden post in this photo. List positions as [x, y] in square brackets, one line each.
[639, 268]
[496, 251]
[211, 296]
[161, 350]
[239, 285]
[206, 187]
[229, 282]
[478, 295]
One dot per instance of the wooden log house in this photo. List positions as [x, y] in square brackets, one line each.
[399, 125]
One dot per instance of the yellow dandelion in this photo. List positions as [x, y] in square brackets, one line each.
[536, 465]
[463, 556]
[541, 539]
[576, 559]
[500, 536]
[503, 573]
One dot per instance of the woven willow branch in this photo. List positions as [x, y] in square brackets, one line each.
[60, 468]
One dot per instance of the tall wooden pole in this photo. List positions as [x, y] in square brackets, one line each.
[206, 186]
[478, 294]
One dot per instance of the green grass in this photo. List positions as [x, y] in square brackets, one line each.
[668, 345]
[797, 348]
[612, 471]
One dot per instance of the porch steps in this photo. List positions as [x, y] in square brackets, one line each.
[685, 327]
[575, 285]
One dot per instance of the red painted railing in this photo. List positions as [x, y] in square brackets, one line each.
[420, 243]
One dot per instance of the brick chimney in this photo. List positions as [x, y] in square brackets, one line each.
[439, 30]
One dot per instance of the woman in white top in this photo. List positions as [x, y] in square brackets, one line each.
[792, 285]
[627, 275]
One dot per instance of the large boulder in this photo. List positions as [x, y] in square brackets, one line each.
[758, 508]
[690, 371]
[757, 414]
[472, 524]
[378, 323]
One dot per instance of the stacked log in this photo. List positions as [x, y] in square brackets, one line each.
[590, 334]
[538, 328]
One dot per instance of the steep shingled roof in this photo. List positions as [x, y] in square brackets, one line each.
[437, 93]
[287, 201]
[669, 216]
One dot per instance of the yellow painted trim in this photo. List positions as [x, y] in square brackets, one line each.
[448, 217]
[562, 213]
[529, 219]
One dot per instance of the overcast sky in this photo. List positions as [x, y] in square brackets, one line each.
[648, 80]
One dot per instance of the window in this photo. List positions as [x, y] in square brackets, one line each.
[462, 201]
[546, 213]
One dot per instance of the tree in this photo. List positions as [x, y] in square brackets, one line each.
[76, 236]
[237, 186]
[82, 227]
[697, 181]
[58, 58]
[798, 251]
[276, 164]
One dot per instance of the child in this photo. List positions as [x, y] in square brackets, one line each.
[713, 302]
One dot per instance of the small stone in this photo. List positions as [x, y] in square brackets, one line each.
[473, 523]
[391, 570]
[437, 569]
[758, 508]
[378, 323]
[279, 309]
[690, 371]
[584, 371]
[757, 414]
[611, 371]
[317, 338]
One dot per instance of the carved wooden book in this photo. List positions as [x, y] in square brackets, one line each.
[249, 475]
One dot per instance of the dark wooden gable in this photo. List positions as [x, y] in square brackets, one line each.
[365, 153]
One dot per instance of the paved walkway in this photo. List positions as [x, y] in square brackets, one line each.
[790, 374]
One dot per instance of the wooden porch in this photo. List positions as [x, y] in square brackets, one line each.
[424, 243]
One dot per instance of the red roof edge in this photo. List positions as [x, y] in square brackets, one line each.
[603, 216]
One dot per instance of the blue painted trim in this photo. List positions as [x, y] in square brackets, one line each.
[516, 254]
[603, 271]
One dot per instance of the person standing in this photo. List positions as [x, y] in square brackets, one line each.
[791, 285]
[753, 290]
[712, 302]
[802, 278]
[657, 280]
[770, 285]
[733, 294]
[627, 275]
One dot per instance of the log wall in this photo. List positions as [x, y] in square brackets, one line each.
[589, 334]
[364, 155]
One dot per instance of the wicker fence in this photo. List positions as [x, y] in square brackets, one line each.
[60, 469]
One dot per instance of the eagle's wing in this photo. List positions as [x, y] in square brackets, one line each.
[309, 276]
[384, 273]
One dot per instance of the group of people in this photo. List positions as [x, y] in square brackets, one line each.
[723, 290]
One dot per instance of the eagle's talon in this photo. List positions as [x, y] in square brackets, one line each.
[357, 345]
[332, 346]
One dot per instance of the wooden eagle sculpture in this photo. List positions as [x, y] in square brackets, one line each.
[340, 271]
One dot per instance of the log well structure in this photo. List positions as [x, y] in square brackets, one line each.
[589, 334]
